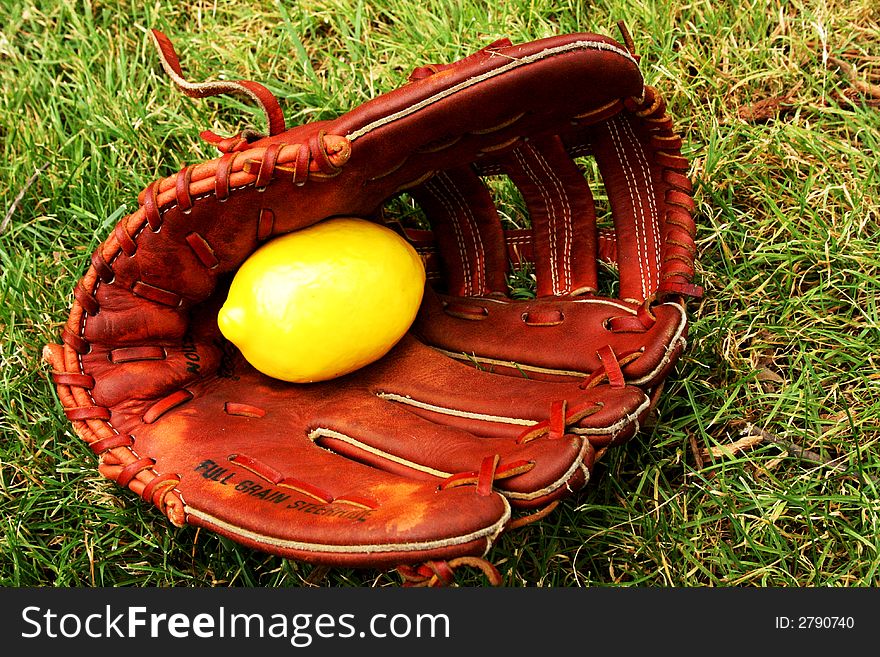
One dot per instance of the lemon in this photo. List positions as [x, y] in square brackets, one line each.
[323, 301]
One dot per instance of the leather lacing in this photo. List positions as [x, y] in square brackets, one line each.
[679, 229]
[562, 415]
[490, 471]
[611, 369]
[442, 573]
[322, 156]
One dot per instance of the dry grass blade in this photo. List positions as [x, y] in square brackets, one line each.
[19, 197]
[849, 71]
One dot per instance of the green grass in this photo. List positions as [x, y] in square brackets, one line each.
[785, 340]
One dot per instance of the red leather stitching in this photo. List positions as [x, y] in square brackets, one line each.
[232, 144]
[221, 180]
[463, 310]
[156, 294]
[259, 468]
[679, 181]
[318, 153]
[111, 442]
[151, 207]
[202, 250]
[265, 224]
[166, 404]
[301, 170]
[491, 470]
[129, 354]
[672, 161]
[267, 165]
[181, 188]
[277, 478]
[642, 321]
[543, 317]
[556, 427]
[487, 475]
[513, 468]
[543, 512]
[663, 141]
[74, 379]
[77, 379]
[86, 299]
[675, 197]
[87, 413]
[104, 271]
[166, 480]
[612, 367]
[125, 240]
[441, 573]
[572, 413]
[75, 342]
[308, 489]
[683, 289]
[357, 500]
[243, 410]
[131, 470]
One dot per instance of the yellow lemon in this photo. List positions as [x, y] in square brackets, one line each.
[323, 301]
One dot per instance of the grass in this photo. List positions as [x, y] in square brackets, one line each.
[783, 347]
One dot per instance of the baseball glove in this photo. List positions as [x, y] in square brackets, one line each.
[493, 407]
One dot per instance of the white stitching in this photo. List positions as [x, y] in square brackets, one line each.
[567, 221]
[480, 250]
[454, 193]
[551, 216]
[513, 63]
[631, 187]
[315, 434]
[438, 193]
[619, 426]
[652, 202]
[488, 533]
[444, 410]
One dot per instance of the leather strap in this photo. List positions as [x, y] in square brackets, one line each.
[253, 90]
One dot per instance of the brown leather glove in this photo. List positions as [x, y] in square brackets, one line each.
[489, 405]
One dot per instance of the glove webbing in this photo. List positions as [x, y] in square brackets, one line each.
[640, 161]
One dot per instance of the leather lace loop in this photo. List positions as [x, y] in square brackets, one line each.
[253, 90]
[442, 573]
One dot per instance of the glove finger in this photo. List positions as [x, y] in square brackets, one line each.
[471, 244]
[389, 436]
[644, 176]
[555, 338]
[255, 473]
[441, 389]
[604, 409]
[563, 218]
[639, 158]
[468, 231]
[413, 413]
